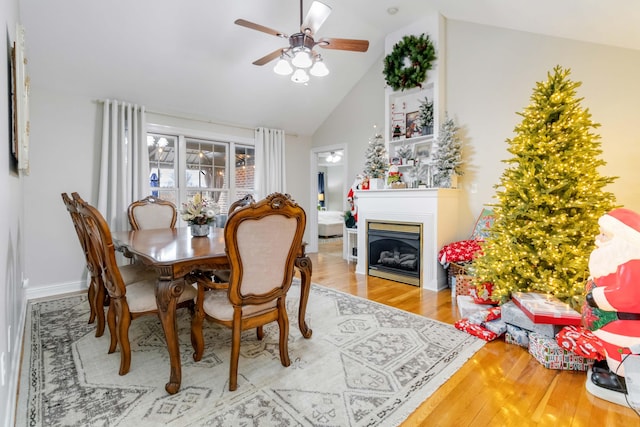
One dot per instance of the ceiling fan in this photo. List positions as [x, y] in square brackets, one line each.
[300, 51]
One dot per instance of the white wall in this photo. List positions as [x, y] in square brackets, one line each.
[490, 76]
[352, 121]
[12, 251]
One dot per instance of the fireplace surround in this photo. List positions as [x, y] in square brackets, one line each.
[435, 209]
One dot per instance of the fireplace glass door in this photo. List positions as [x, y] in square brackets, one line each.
[395, 251]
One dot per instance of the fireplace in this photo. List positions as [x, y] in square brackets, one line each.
[434, 209]
[395, 251]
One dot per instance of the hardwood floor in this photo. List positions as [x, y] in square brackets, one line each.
[502, 385]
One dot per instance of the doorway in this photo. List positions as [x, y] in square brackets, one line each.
[331, 162]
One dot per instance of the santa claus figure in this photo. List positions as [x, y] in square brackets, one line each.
[351, 197]
[615, 268]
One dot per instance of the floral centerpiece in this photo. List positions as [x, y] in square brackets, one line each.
[199, 210]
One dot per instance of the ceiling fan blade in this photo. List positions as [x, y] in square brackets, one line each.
[318, 13]
[268, 58]
[344, 44]
[258, 27]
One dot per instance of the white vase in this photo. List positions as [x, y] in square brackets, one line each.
[199, 230]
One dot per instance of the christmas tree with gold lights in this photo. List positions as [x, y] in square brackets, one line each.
[550, 198]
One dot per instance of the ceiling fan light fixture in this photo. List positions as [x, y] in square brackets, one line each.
[300, 76]
[319, 68]
[302, 59]
[283, 67]
[333, 157]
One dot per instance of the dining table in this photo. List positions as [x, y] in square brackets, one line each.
[175, 253]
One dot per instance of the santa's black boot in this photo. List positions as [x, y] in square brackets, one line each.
[603, 377]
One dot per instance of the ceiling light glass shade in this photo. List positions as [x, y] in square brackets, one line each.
[300, 76]
[283, 67]
[333, 157]
[319, 69]
[302, 59]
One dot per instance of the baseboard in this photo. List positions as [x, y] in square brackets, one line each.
[14, 369]
[55, 289]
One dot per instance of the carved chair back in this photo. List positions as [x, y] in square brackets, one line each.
[152, 212]
[262, 241]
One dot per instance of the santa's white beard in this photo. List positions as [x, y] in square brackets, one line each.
[608, 256]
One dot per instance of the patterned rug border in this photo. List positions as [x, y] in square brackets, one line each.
[390, 415]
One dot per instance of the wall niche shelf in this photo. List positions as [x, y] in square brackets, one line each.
[402, 107]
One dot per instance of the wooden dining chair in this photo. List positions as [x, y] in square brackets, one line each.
[96, 292]
[262, 241]
[152, 212]
[222, 276]
[126, 302]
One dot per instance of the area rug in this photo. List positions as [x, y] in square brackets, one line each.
[366, 365]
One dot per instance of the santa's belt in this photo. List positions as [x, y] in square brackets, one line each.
[628, 316]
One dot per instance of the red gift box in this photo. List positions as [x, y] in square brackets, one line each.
[545, 308]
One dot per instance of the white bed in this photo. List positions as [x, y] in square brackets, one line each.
[330, 223]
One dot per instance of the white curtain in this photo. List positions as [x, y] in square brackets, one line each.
[270, 162]
[124, 163]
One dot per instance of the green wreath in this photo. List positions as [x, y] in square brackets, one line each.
[420, 52]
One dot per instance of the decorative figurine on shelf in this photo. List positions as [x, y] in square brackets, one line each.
[394, 177]
[351, 198]
[615, 270]
[397, 132]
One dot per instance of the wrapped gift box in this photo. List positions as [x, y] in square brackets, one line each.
[461, 285]
[513, 315]
[545, 308]
[466, 306]
[475, 330]
[552, 356]
[517, 336]
[497, 326]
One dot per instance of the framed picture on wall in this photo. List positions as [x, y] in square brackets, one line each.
[11, 77]
[422, 151]
[21, 104]
[412, 128]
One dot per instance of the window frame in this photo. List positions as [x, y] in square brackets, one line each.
[182, 134]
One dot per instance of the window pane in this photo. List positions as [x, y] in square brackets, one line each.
[245, 170]
[162, 165]
[207, 170]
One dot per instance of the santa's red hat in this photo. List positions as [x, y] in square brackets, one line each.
[623, 223]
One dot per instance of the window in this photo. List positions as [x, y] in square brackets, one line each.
[181, 166]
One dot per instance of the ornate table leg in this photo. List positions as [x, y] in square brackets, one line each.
[303, 263]
[167, 293]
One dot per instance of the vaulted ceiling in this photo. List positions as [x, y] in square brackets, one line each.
[189, 58]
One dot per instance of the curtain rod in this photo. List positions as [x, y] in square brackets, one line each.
[195, 119]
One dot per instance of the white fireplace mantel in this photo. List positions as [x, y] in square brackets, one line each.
[435, 208]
